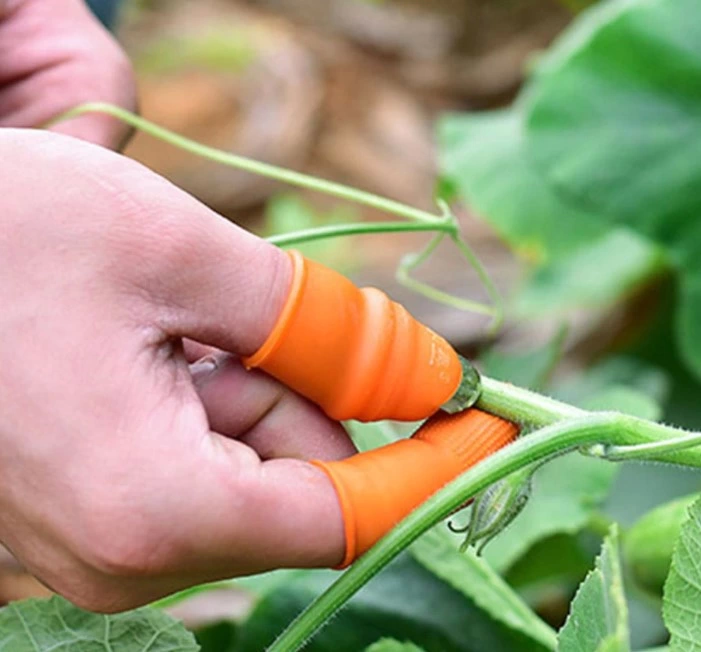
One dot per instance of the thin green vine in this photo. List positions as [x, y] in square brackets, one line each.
[419, 220]
[249, 165]
[412, 261]
[645, 451]
[358, 228]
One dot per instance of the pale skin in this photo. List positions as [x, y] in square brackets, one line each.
[126, 471]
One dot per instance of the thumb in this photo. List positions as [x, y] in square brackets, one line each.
[352, 351]
[219, 284]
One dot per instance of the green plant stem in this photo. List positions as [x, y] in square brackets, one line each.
[610, 428]
[424, 517]
[522, 405]
[651, 441]
[645, 451]
[563, 429]
[412, 261]
[357, 228]
[249, 165]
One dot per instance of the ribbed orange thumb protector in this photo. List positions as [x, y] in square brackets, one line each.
[377, 489]
[354, 352]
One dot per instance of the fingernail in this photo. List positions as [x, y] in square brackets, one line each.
[203, 368]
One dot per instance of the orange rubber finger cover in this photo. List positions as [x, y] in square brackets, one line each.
[354, 352]
[377, 489]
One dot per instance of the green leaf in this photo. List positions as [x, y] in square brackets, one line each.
[613, 266]
[55, 624]
[483, 155]
[559, 560]
[615, 113]
[649, 543]
[598, 620]
[567, 492]
[476, 580]
[216, 637]
[682, 591]
[405, 602]
[392, 645]
[621, 384]
[689, 314]
[613, 123]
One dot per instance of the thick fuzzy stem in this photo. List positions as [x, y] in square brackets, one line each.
[579, 429]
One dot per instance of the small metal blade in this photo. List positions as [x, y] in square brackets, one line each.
[467, 392]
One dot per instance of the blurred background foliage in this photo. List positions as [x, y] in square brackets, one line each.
[407, 98]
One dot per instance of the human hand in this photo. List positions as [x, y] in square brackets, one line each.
[55, 55]
[125, 475]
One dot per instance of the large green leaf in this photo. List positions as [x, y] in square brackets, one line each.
[476, 580]
[613, 122]
[482, 156]
[615, 114]
[405, 602]
[598, 620]
[55, 625]
[217, 636]
[609, 268]
[689, 316]
[682, 591]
